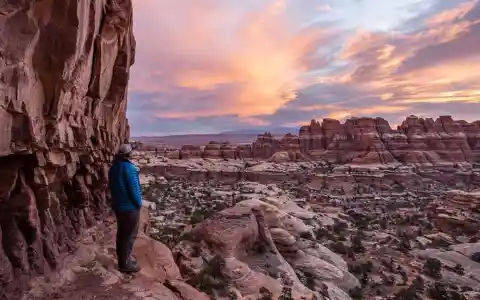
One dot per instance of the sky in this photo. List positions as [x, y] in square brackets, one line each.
[206, 66]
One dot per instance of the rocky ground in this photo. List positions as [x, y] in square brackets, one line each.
[236, 229]
[374, 232]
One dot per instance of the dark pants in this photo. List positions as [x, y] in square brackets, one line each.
[127, 228]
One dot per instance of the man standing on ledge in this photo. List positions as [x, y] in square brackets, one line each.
[126, 203]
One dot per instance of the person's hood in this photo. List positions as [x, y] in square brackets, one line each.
[119, 157]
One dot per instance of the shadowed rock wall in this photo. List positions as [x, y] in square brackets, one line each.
[64, 68]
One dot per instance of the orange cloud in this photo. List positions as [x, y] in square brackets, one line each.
[260, 59]
[252, 63]
[252, 121]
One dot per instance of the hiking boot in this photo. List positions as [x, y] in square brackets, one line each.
[130, 268]
[133, 261]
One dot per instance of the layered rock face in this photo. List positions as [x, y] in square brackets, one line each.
[416, 140]
[64, 68]
[457, 211]
[265, 145]
[366, 141]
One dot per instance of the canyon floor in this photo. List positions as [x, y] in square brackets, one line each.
[235, 229]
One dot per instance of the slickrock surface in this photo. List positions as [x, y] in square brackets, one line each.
[263, 241]
[362, 141]
[91, 272]
[64, 68]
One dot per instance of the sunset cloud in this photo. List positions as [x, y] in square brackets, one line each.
[223, 65]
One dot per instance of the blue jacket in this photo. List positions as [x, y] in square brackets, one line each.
[124, 186]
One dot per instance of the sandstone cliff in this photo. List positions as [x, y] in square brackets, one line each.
[64, 68]
[416, 140]
[364, 141]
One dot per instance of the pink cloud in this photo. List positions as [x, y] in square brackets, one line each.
[203, 47]
[435, 64]
[252, 63]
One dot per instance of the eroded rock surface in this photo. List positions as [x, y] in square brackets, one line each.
[90, 273]
[339, 232]
[64, 68]
[257, 243]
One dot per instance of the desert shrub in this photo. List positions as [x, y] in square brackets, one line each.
[476, 257]
[361, 222]
[307, 235]
[383, 223]
[433, 268]
[197, 250]
[339, 248]
[440, 292]
[259, 248]
[306, 278]
[407, 294]
[418, 284]
[356, 293]
[265, 294]
[201, 213]
[361, 268]
[357, 245]
[459, 269]
[412, 292]
[211, 277]
[310, 281]
[340, 227]
[196, 217]
[286, 293]
[388, 280]
[323, 232]
[389, 264]
[404, 244]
